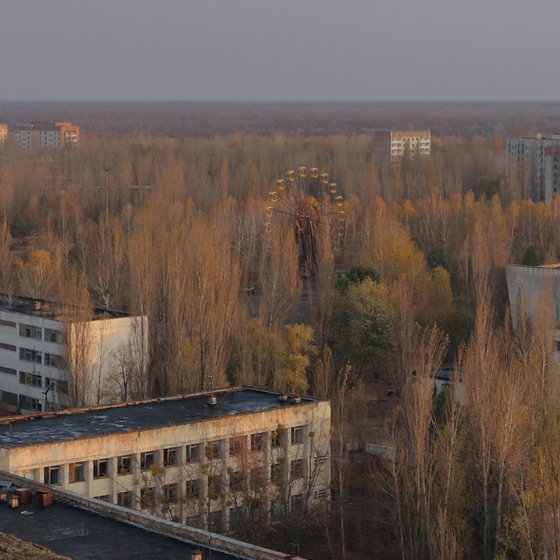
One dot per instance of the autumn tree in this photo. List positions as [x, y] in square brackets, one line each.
[411, 461]
[77, 314]
[362, 326]
[40, 275]
[279, 273]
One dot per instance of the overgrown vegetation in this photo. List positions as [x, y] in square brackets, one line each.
[173, 229]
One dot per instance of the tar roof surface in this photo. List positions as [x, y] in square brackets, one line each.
[48, 309]
[72, 425]
[84, 535]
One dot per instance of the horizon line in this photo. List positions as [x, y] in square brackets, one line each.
[275, 101]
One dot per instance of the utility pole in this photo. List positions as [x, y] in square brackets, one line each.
[49, 388]
[107, 171]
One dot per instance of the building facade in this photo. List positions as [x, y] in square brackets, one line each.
[533, 291]
[398, 143]
[527, 159]
[551, 172]
[202, 459]
[40, 349]
[3, 133]
[52, 134]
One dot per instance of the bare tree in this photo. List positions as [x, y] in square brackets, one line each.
[411, 463]
[77, 316]
[280, 282]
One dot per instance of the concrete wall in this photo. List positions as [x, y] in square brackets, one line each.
[535, 292]
[110, 341]
[533, 289]
[313, 453]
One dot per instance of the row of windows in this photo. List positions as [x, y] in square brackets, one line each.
[36, 357]
[237, 479]
[34, 332]
[29, 403]
[212, 450]
[171, 456]
[36, 380]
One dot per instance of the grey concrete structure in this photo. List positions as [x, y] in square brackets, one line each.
[533, 291]
[51, 135]
[526, 159]
[197, 459]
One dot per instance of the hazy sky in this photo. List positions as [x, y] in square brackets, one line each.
[283, 50]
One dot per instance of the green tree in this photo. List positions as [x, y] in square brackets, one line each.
[438, 257]
[356, 275]
[362, 327]
[530, 257]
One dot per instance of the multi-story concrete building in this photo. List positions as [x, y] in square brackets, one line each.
[526, 163]
[551, 172]
[3, 133]
[202, 459]
[397, 143]
[41, 350]
[52, 134]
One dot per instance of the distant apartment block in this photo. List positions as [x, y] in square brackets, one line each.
[38, 344]
[398, 143]
[208, 460]
[3, 133]
[52, 134]
[530, 165]
[551, 172]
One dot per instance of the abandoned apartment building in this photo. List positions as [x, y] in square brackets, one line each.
[193, 459]
[39, 342]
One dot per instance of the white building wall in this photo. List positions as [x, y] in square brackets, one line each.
[24, 369]
[416, 142]
[29, 364]
[111, 341]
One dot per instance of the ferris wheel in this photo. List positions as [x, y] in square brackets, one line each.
[309, 202]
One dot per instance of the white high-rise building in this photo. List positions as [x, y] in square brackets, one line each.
[47, 359]
[398, 143]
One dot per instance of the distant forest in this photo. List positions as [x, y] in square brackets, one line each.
[181, 119]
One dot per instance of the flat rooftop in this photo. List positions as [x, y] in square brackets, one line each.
[67, 425]
[85, 535]
[551, 266]
[48, 309]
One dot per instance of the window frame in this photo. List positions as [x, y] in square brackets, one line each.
[168, 453]
[145, 464]
[100, 468]
[76, 472]
[297, 435]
